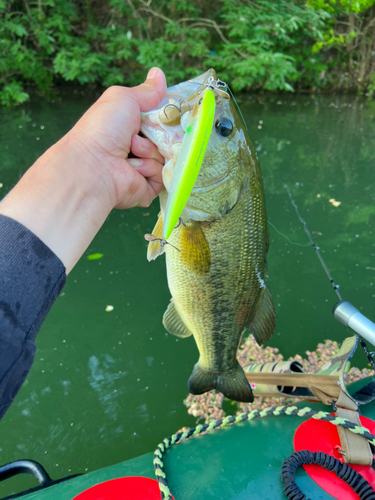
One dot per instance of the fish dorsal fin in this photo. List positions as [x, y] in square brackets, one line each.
[173, 323]
[154, 248]
[195, 252]
[264, 322]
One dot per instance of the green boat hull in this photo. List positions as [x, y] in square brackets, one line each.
[238, 462]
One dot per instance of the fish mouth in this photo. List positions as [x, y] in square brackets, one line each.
[164, 125]
[187, 92]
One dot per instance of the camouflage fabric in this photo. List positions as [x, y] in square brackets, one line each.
[273, 387]
[286, 379]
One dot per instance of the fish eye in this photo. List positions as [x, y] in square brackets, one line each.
[224, 126]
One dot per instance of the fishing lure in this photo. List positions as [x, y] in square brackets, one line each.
[189, 159]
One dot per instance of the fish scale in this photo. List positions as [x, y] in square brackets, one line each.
[209, 304]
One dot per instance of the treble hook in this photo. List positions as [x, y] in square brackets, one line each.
[151, 238]
[186, 102]
[174, 105]
[183, 222]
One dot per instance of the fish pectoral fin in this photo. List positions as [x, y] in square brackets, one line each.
[173, 323]
[264, 322]
[154, 248]
[195, 252]
[232, 383]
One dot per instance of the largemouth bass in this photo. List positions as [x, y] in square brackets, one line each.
[216, 256]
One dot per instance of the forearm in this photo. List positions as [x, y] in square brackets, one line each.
[62, 199]
[30, 280]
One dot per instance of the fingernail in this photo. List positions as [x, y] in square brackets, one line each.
[152, 73]
[135, 162]
[138, 140]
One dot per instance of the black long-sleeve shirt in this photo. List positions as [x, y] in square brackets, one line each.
[31, 277]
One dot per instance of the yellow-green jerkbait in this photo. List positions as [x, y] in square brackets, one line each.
[217, 278]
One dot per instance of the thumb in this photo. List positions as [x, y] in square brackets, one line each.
[149, 94]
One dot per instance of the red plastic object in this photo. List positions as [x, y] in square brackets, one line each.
[318, 435]
[124, 488]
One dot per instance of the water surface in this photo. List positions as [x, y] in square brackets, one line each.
[108, 386]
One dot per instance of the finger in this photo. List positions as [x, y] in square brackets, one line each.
[146, 96]
[144, 148]
[118, 110]
[151, 170]
[149, 94]
[144, 183]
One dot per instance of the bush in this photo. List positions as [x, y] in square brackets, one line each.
[260, 44]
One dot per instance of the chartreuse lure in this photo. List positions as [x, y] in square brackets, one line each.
[189, 159]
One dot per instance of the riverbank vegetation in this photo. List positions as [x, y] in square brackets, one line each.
[276, 45]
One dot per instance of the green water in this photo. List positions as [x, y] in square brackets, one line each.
[108, 386]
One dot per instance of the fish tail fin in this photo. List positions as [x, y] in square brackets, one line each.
[232, 384]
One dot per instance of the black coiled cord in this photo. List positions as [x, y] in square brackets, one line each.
[288, 471]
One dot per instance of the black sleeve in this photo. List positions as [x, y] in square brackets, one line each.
[31, 277]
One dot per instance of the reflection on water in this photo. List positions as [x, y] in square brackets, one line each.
[109, 385]
[102, 379]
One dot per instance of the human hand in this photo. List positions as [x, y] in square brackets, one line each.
[65, 197]
[108, 132]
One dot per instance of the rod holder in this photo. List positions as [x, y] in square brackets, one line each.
[347, 314]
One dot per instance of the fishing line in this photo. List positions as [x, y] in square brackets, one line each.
[286, 237]
[238, 108]
[369, 354]
[316, 248]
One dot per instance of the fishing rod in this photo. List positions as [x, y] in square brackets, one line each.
[343, 311]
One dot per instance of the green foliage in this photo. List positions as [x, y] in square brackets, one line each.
[371, 87]
[262, 41]
[350, 37]
[260, 44]
[12, 94]
[333, 6]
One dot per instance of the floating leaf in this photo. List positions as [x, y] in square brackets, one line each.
[95, 256]
[334, 202]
